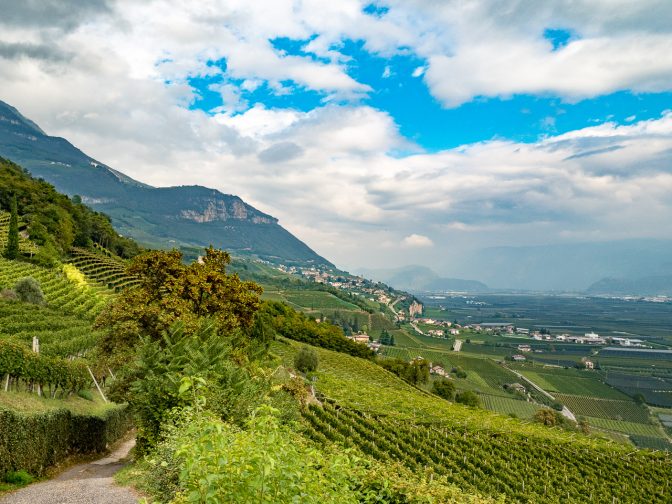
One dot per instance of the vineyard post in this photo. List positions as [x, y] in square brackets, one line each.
[7, 382]
[36, 349]
[97, 386]
[111, 374]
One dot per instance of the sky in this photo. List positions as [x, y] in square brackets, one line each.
[381, 134]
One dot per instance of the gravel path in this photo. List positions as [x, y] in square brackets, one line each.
[91, 483]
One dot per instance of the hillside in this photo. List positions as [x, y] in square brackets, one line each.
[646, 286]
[483, 452]
[157, 217]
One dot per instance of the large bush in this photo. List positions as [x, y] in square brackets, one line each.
[306, 360]
[29, 291]
[444, 388]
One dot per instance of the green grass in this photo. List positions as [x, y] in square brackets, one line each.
[30, 403]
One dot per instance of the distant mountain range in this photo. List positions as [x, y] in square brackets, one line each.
[191, 216]
[570, 266]
[647, 286]
[422, 279]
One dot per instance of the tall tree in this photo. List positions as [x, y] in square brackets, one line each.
[12, 247]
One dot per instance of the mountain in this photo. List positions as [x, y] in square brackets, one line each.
[422, 279]
[191, 216]
[646, 286]
[567, 267]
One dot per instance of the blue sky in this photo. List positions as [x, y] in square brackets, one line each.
[421, 118]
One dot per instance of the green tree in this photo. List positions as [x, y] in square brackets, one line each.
[28, 290]
[468, 398]
[12, 247]
[444, 388]
[170, 291]
[306, 360]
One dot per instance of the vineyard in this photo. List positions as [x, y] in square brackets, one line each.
[571, 382]
[521, 409]
[103, 268]
[605, 408]
[61, 293]
[25, 246]
[637, 429]
[480, 451]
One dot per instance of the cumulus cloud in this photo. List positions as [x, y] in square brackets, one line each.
[416, 240]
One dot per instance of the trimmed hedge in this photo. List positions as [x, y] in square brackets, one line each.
[35, 441]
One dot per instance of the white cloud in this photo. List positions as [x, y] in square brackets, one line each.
[416, 240]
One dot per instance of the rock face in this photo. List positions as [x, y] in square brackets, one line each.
[193, 216]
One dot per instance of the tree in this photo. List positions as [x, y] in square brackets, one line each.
[546, 416]
[28, 290]
[444, 388]
[12, 247]
[170, 291]
[306, 360]
[468, 398]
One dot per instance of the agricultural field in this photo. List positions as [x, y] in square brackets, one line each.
[373, 411]
[508, 406]
[560, 314]
[571, 382]
[101, 267]
[605, 408]
[317, 300]
[25, 246]
[633, 428]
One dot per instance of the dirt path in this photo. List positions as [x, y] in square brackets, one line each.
[90, 483]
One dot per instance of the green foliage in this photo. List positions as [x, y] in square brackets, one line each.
[20, 363]
[306, 360]
[168, 291]
[263, 463]
[468, 398]
[55, 220]
[18, 478]
[415, 372]
[33, 442]
[12, 247]
[154, 385]
[444, 388]
[28, 290]
[296, 326]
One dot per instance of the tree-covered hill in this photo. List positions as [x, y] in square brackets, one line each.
[54, 221]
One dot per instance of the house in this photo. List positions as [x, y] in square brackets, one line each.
[438, 370]
[436, 332]
[454, 332]
[360, 338]
[589, 364]
[516, 387]
[519, 358]
[525, 348]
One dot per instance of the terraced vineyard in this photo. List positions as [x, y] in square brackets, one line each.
[103, 268]
[475, 449]
[634, 428]
[61, 294]
[25, 246]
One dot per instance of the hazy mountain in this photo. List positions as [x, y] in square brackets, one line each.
[422, 279]
[569, 267]
[647, 286]
[160, 217]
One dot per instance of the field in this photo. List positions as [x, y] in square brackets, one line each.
[570, 314]
[493, 454]
[635, 429]
[605, 408]
[569, 381]
[521, 409]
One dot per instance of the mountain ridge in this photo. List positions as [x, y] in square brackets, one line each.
[190, 215]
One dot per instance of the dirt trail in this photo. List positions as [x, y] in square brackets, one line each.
[90, 483]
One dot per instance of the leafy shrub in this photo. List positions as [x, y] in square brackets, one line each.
[29, 291]
[468, 398]
[19, 478]
[306, 360]
[414, 372]
[444, 388]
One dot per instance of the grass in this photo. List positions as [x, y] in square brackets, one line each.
[30, 403]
